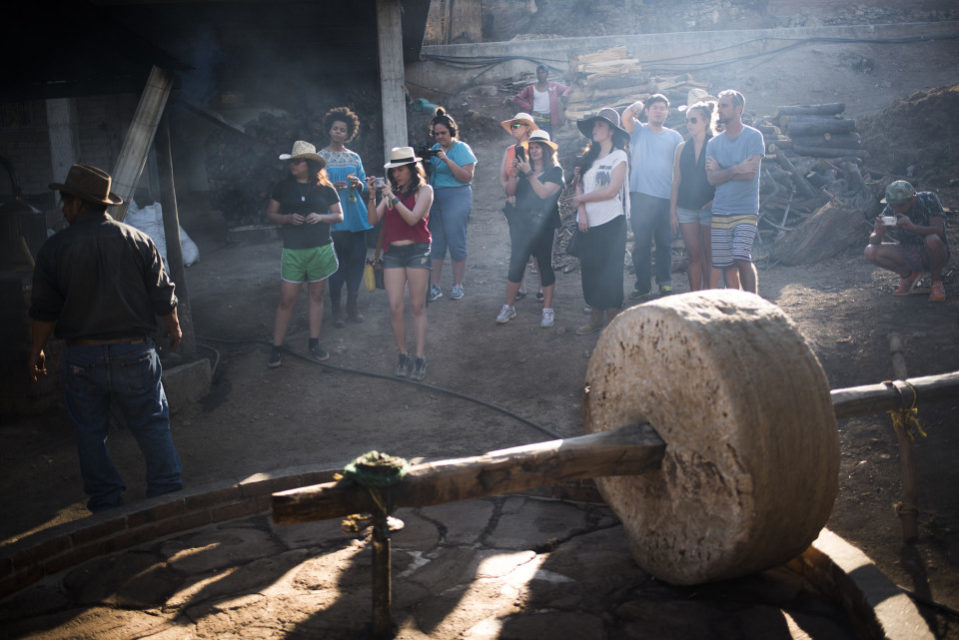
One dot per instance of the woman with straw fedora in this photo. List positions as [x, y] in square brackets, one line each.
[537, 183]
[602, 203]
[404, 207]
[519, 127]
[305, 204]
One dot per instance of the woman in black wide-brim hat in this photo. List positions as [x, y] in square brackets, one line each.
[602, 201]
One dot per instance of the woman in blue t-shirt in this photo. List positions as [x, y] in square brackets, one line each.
[451, 173]
[349, 236]
[305, 204]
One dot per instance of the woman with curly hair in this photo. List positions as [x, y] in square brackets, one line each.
[404, 208]
[451, 174]
[349, 236]
[692, 195]
[305, 205]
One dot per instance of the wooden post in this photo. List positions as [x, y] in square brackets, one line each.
[62, 131]
[382, 622]
[907, 510]
[389, 31]
[136, 145]
[171, 229]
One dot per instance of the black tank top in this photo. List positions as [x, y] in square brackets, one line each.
[694, 190]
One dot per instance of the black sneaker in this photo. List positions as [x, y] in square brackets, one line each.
[419, 369]
[318, 353]
[403, 366]
[276, 358]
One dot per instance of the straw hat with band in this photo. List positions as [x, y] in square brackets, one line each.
[542, 137]
[88, 183]
[520, 118]
[606, 114]
[303, 150]
[400, 156]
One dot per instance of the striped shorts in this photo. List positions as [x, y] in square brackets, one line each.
[732, 239]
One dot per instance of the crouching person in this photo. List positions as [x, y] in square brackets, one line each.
[910, 236]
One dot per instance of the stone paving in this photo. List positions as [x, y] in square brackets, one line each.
[511, 567]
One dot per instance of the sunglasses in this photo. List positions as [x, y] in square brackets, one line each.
[692, 120]
[516, 125]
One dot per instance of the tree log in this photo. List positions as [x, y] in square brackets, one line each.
[817, 125]
[803, 188]
[828, 152]
[811, 110]
[831, 230]
[850, 140]
[625, 451]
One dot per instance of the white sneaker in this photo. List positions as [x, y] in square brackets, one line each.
[548, 318]
[506, 314]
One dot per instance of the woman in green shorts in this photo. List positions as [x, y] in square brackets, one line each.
[305, 204]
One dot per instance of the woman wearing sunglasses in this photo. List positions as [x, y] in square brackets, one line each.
[305, 204]
[692, 195]
[519, 127]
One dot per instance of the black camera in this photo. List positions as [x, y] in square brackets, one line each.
[424, 151]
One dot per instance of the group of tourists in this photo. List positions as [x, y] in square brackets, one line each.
[634, 169]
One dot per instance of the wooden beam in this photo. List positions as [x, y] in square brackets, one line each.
[627, 450]
[171, 230]
[884, 396]
[136, 145]
[62, 132]
[389, 30]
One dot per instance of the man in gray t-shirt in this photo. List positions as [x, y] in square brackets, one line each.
[732, 166]
[652, 149]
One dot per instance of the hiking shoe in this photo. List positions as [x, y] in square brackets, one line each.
[539, 296]
[520, 295]
[636, 294]
[665, 289]
[457, 292]
[506, 314]
[419, 369]
[403, 366]
[907, 284]
[435, 293]
[938, 293]
[276, 358]
[318, 353]
[548, 319]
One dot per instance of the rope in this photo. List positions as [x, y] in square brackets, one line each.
[906, 417]
[377, 472]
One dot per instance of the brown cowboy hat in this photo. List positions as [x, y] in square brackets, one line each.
[88, 183]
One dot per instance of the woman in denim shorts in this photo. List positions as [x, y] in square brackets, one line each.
[692, 196]
[404, 207]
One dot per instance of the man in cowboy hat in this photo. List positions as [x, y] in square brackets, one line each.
[99, 285]
[915, 224]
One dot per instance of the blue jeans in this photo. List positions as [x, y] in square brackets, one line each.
[649, 217]
[449, 217]
[130, 375]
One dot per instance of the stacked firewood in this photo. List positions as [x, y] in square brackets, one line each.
[812, 191]
[611, 78]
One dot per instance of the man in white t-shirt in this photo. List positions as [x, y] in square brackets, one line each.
[652, 148]
[545, 100]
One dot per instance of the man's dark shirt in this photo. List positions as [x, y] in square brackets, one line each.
[925, 207]
[101, 279]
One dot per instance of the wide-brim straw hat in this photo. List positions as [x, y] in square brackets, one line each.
[543, 136]
[303, 150]
[88, 183]
[523, 118]
[400, 156]
[607, 114]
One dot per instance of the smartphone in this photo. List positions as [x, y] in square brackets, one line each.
[520, 153]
